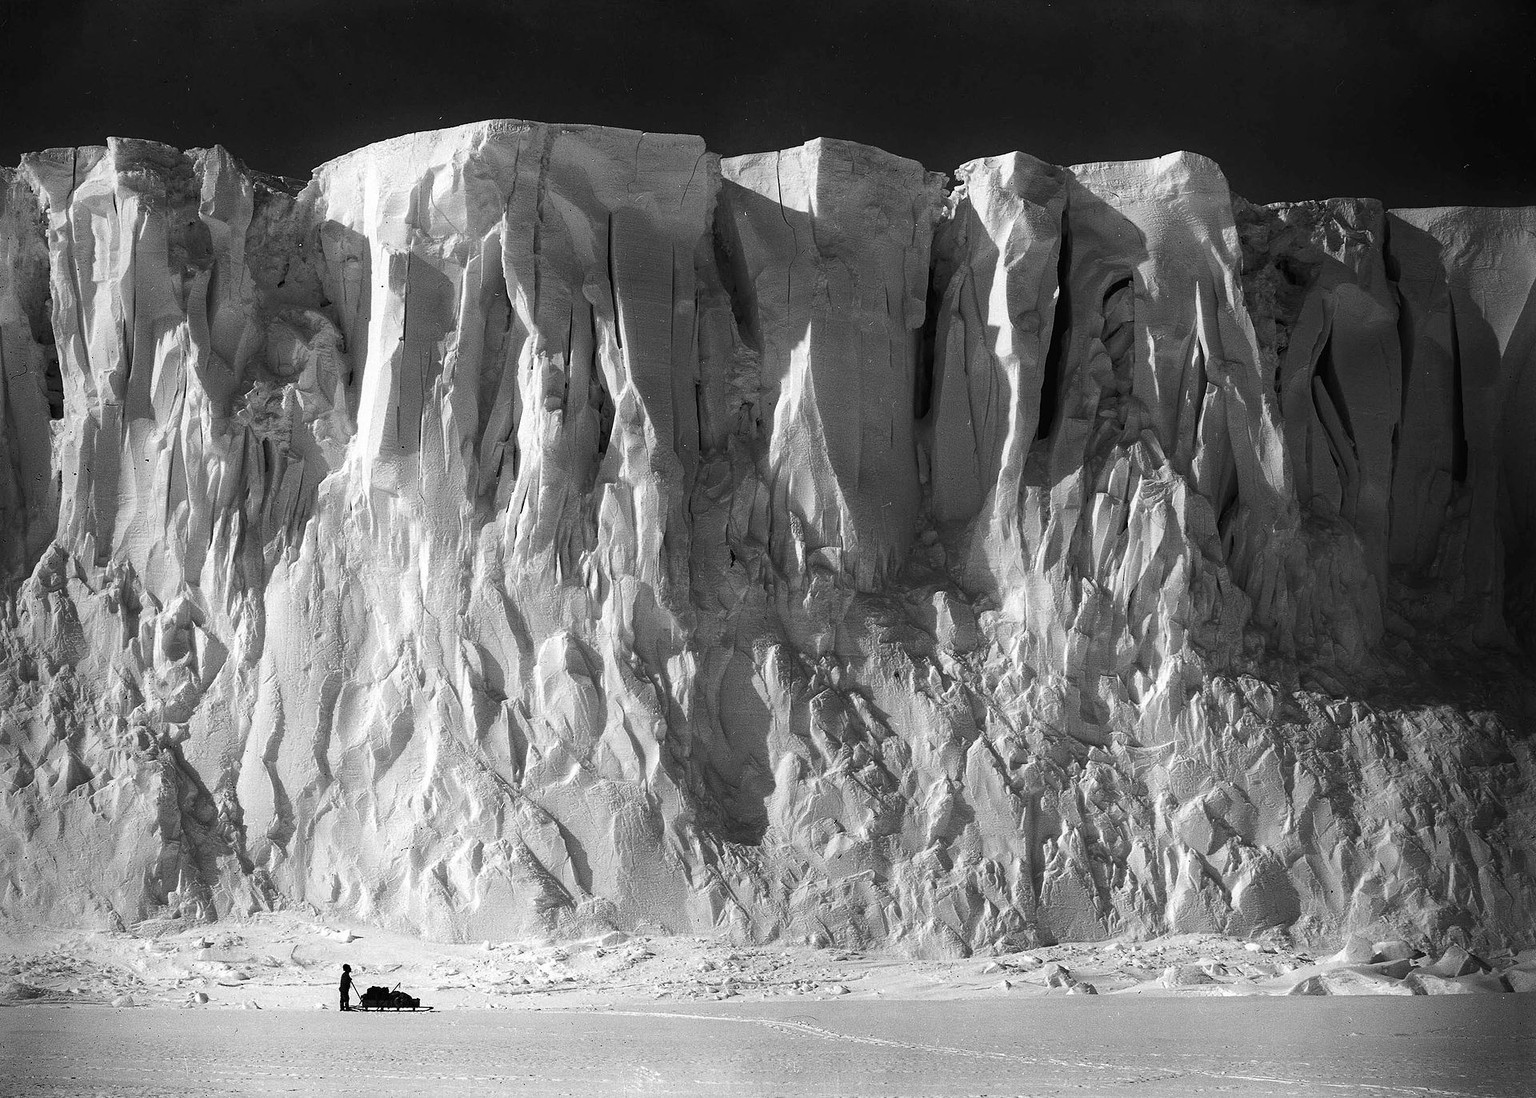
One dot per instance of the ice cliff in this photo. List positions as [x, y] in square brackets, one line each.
[524, 529]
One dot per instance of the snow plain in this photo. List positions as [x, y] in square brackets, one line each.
[1104, 1045]
[249, 1007]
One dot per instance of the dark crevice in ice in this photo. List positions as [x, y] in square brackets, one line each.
[924, 371]
[1458, 409]
[1328, 372]
[1052, 381]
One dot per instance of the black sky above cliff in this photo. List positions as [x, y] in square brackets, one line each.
[1423, 103]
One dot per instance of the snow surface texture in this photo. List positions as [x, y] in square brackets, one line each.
[530, 530]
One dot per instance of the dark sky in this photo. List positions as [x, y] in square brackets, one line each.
[1422, 103]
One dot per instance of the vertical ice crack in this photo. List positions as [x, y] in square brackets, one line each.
[405, 326]
[789, 268]
[613, 291]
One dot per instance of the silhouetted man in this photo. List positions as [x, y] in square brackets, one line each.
[346, 985]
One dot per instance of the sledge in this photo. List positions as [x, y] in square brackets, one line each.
[386, 998]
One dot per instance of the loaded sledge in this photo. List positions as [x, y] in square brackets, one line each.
[386, 998]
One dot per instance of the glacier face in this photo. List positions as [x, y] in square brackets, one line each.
[525, 529]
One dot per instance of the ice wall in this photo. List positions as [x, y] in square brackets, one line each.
[524, 529]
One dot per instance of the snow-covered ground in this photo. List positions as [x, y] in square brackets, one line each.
[1106, 1045]
[249, 1007]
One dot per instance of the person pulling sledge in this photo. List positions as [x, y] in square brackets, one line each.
[346, 985]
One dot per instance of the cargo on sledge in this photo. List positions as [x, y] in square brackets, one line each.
[386, 998]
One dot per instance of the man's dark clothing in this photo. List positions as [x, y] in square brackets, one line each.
[346, 988]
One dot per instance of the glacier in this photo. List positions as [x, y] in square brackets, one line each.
[521, 530]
